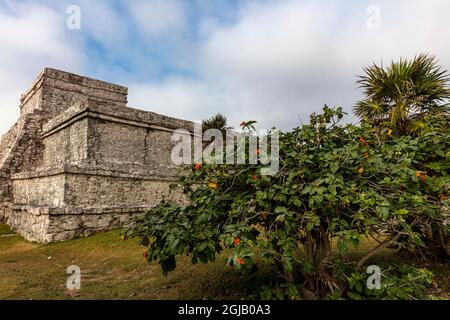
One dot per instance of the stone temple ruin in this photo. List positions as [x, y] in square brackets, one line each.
[79, 161]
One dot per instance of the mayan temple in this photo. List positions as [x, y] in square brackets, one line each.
[79, 161]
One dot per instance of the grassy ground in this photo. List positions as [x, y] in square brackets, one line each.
[115, 269]
[110, 269]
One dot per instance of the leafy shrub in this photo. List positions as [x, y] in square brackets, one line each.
[399, 282]
[337, 184]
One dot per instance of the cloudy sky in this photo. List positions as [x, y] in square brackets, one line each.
[272, 61]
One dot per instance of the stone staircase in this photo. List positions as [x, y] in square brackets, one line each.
[7, 142]
[20, 149]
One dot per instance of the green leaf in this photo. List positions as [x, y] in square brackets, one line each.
[354, 295]
[334, 167]
[280, 210]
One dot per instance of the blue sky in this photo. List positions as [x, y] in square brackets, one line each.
[272, 61]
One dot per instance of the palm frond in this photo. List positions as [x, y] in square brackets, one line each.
[218, 121]
[403, 90]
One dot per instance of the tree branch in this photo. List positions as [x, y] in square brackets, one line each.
[374, 251]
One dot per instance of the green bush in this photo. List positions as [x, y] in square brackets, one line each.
[336, 184]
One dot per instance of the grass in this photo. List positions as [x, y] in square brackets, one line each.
[110, 269]
[115, 269]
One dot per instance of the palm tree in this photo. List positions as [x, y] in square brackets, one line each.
[218, 121]
[401, 95]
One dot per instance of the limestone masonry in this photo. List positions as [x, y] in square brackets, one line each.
[79, 161]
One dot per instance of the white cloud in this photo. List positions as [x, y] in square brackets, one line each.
[103, 23]
[283, 60]
[275, 62]
[159, 17]
[176, 97]
[31, 38]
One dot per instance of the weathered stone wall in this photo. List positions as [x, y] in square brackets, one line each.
[29, 222]
[117, 142]
[48, 225]
[89, 190]
[39, 191]
[32, 100]
[124, 145]
[55, 91]
[22, 150]
[68, 145]
[7, 142]
[79, 161]
[24, 140]
[4, 185]
[120, 139]
[63, 206]
[115, 192]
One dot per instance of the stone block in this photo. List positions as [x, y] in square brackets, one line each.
[79, 161]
